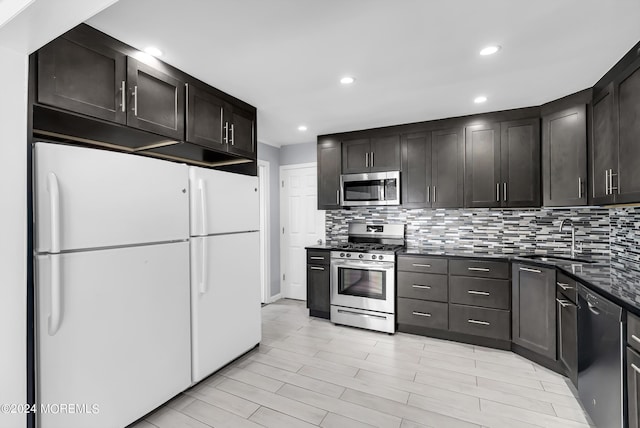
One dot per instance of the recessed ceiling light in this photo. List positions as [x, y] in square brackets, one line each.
[302, 128]
[480, 99]
[153, 51]
[490, 50]
[347, 80]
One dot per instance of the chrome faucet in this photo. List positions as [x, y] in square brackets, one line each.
[573, 235]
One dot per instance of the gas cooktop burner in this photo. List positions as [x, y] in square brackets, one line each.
[365, 247]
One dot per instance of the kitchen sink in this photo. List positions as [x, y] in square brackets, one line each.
[548, 258]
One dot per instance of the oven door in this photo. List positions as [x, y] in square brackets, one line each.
[363, 285]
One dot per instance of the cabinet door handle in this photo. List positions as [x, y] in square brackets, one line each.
[338, 197]
[504, 189]
[316, 258]
[425, 287]
[366, 160]
[226, 133]
[611, 188]
[421, 314]
[636, 338]
[232, 136]
[434, 193]
[478, 293]
[421, 265]
[636, 368]
[372, 163]
[316, 268]
[606, 181]
[123, 96]
[530, 270]
[135, 100]
[478, 322]
[563, 286]
[579, 187]
[497, 192]
[563, 303]
[428, 193]
[477, 269]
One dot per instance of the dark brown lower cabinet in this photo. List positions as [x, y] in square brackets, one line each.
[534, 309]
[318, 283]
[568, 336]
[485, 322]
[633, 387]
[422, 313]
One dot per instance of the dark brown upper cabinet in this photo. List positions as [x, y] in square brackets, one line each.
[520, 163]
[205, 112]
[157, 100]
[615, 147]
[239, 131]
[376, 154]
[482, 184]
[503, 164]
[433, 169]
[83, 76]
[329, 164]
[564, 157]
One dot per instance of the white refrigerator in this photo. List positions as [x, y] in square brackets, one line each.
[225, 268]
[112, 285]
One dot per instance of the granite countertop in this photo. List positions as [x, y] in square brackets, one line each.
[614, 280]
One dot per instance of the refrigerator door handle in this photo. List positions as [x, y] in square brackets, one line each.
[54, 204]
[55, 315]
[202, 186]
[204, 272]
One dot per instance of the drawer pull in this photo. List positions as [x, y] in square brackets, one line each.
[530, 270]
[426, 287]
[564, 286]
[421, 265]
[636, 338]
[316, 258]
[478, 293]
[316, 268]
[477, 269]
[636, 368]
[421, 314]
[564, 303]
[478, 322]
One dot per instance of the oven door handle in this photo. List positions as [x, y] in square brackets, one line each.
[376, 266]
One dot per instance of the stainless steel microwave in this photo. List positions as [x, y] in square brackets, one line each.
[377, 188]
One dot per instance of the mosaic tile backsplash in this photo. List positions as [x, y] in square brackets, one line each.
[601, 232]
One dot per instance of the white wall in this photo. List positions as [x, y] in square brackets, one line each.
[13, 225]
[37, 24]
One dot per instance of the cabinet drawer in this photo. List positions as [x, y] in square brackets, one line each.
[424, 286]
[422, 264]
[318, 257]
[484, 292]
[479, 268]
[633, 331]
[568, 288]
[492, 323]
[422, 313]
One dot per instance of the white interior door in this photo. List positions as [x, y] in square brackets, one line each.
[301, 224]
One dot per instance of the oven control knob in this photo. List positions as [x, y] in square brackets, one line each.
[361, 256]
[348, 254]
[379, 257]
[373, 257]
[341, 254]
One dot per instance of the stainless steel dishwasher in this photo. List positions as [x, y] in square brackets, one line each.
[600, 363]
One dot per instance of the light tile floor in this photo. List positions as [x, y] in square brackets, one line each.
[308, 372]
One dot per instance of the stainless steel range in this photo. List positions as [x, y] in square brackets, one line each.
[363, 276]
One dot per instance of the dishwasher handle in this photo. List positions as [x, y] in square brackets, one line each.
[598, 304]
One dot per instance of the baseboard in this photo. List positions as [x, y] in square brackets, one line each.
[275, 298]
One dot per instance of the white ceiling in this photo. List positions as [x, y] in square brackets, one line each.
[414, 60]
